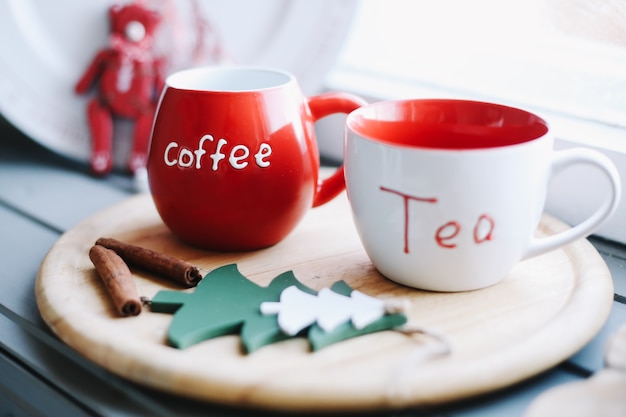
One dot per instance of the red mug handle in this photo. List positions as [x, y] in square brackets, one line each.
[321, 106]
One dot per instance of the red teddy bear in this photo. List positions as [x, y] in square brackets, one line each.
[130, 80]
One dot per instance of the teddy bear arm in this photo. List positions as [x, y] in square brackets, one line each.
[93, 71]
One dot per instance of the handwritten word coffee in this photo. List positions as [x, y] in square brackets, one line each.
[238, 156]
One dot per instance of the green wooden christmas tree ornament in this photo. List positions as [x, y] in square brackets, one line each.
[226, 302]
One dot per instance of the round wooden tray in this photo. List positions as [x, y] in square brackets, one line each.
[543, 312]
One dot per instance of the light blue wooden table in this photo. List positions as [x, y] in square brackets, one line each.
[41, 196]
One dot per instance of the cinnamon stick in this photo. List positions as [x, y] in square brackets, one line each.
[117, 279]
[164, 265]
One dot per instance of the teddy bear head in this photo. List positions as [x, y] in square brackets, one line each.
[133, 23]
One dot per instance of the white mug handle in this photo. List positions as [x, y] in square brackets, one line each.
[560, 161]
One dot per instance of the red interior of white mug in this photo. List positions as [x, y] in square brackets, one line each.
[446, 124]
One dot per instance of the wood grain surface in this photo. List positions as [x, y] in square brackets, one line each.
[542, 313]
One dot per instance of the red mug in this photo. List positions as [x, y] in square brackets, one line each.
[233, 162]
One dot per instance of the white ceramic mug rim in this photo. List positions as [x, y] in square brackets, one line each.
[229, 79]
[384, 143]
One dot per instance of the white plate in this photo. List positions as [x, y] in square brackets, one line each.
[46, 45]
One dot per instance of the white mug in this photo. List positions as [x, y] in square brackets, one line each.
[447, 194]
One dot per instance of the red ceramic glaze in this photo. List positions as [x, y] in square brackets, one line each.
[448, 124]
[233, 163]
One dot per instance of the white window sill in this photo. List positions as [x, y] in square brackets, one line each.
[573, 195]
